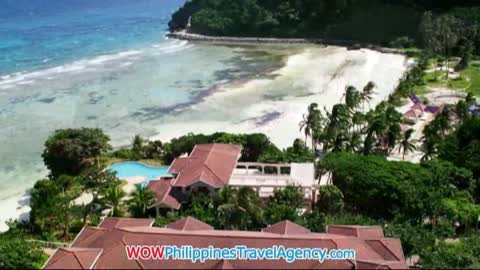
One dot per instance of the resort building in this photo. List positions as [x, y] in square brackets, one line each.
[419, 108]
[210, 167]
[412, 115]
[104, 247]
[474, 110]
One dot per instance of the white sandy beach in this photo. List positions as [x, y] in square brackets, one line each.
[322, 74]
[273, 105]
[15, 207]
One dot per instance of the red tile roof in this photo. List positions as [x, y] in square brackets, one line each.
[411, 113]
[223, 264]
[212, 164]
[357, 231]
[286, 227]
[419, 107]
[364, 264]
[371, 252]
[178, 165]
[112, 222]
[189, 224]
[162, 189]
[73, 258]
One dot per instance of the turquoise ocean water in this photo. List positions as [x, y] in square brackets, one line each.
[104, 64]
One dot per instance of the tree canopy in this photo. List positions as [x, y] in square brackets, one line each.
[18, 253]
[67, 151]
[380, 21]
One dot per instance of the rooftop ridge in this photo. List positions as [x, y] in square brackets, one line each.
[213, 173]
[110, 244]
[78, 260]
[228, 234]
[74, 252]
[90, 235]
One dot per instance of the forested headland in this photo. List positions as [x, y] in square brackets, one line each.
[396, 23]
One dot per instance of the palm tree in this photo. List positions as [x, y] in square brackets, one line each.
[354, 142]
[407, 144]
[154, 149]
[249, 200]
[238, 208]
[138, 145]
[383, 126]
[368, 145]
[393, 135]
[443, 120]
[305, 126]
[352, 98]
[367, 93]
[142, 198]
[113, 197]
[312, 123]
[95, 181]
[64, 212]
[358, 119]
[429, 149]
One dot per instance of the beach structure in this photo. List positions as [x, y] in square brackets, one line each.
[474, 110]
[419, 108]
[415, 99]
[432, 109]
[412, 115]
[211, 167]
[104, 247]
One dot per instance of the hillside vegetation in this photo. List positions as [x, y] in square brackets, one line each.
[386, 22]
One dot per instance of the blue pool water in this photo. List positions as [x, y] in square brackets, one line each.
[130, 169]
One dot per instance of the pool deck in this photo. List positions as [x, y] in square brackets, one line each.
[132, 181]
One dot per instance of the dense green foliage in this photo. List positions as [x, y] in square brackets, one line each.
[54, 214]
[140, 201]
[464, 254]
[379, 21]
[330, 199]
[51, 203]
[414, 238]
[462, 147]
[285, 204]
[67, 151]
[378, 188]
[255, 147]
[18, 253]
[350, 127]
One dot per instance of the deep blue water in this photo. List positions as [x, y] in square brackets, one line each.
[36, 34]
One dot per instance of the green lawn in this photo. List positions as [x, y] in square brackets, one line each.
[458, 83]
[420, 90]
[412, 52]
[435, 79]
[473, 73]
[469, 79]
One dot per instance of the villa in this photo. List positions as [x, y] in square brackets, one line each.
[419, 108]
[104, 247]
[412, 115]
[210, 167]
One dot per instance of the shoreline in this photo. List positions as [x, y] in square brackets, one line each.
[224, 40]
[317, 74]
[272, 104]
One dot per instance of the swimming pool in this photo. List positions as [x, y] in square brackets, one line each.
[131, 169]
